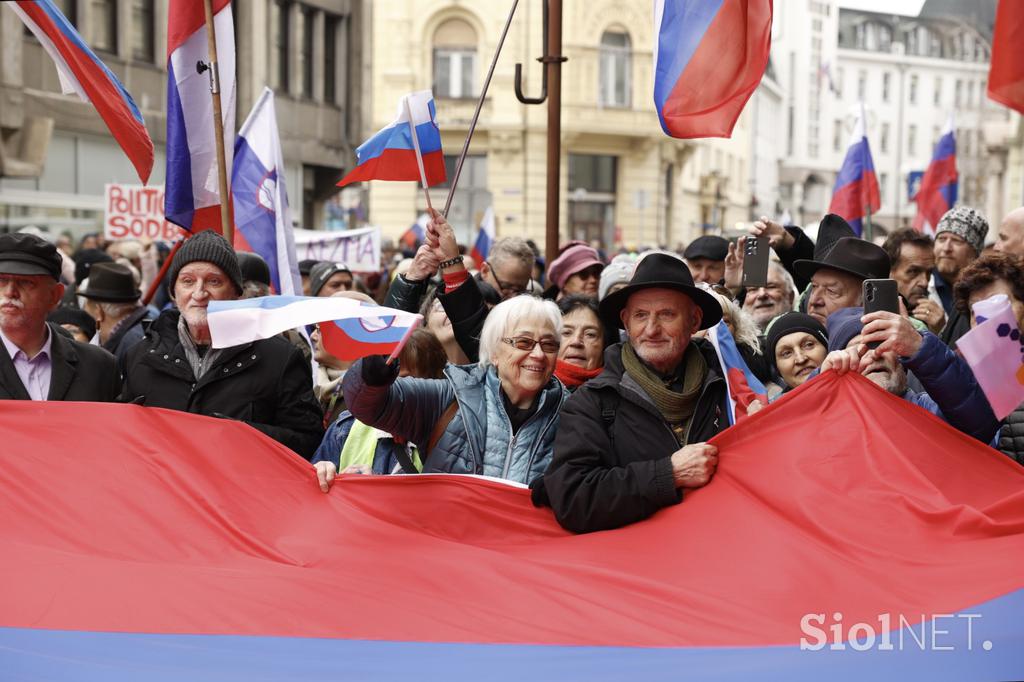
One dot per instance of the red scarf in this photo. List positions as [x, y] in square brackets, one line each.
[572, 375]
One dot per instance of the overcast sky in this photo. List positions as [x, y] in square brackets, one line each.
[904, 7]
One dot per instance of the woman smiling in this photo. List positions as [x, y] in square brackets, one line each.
[497, 418]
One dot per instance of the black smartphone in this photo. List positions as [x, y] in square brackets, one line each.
[881, 294]
[755, 263]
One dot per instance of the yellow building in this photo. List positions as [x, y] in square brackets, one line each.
[623, 181]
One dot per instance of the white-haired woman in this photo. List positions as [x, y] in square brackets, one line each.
[496, 418]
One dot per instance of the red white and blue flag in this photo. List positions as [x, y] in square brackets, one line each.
[350, 329]
[846, 535]
[856, 189]
[484, 238]
[391, 154]
[938, 189]
[416, 234]
[81, 72]
[709, 56]
[262, 217]
[192, 190]
[742, 386]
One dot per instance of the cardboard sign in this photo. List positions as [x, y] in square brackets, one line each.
[358, 249]
[136, 212]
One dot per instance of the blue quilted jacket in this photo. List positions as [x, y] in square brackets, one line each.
[479, 439]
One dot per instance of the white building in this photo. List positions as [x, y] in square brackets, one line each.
[912, 73]
[804, 54]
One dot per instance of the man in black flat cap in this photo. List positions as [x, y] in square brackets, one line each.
[39, 360]
[112, 299]
[705, 257]
[631, 440]
[837, 279]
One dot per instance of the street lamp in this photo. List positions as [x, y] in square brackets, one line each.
[898, 51]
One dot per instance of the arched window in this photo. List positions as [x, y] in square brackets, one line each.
[455, 60]
[615, 83]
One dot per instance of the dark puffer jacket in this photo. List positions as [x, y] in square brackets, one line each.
[612, 461]
[266, 384]
[1011, 435]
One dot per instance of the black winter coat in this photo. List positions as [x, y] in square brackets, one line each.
[612, 459]
[267, 384]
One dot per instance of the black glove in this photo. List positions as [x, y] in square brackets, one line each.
[539, 493]
[376, 371]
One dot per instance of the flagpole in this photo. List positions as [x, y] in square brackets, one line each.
[419, 155]
[218, 127]
[479, 106]
[867, 223]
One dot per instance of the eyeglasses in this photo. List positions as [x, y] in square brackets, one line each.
[507, 289]
[525, 343]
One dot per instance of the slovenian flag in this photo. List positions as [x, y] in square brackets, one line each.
[81, 72]
[846, 535]
[260, 198]
[350, 329]
[995, 351]
[192, 192]
[709, 56]
[856, 189]
[484, 238]
[391, 155]
[742, 386]
[938, 189]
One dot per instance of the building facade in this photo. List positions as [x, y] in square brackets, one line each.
[59, 155]
[913, 74]
[623, 181]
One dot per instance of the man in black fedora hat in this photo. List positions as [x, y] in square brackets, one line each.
[631, 440]
[837, 278]
[112, 299]
[39, 360]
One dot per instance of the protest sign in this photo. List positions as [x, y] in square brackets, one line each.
[358, 249]
[136, 212]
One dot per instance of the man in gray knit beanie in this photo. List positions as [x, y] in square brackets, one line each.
[265, 383]
[959, 239]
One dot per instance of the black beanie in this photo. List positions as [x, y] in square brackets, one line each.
[207, 247]
[791, 323]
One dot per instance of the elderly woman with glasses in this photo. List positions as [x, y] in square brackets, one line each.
[496, 418]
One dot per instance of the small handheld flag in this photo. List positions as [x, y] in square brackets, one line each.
[81, 72]
[391, 153]
[350, 329]
[995, 351]
[742, 386]
[485, 238]
[856, 190]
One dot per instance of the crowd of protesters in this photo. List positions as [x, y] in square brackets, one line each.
[590, 378]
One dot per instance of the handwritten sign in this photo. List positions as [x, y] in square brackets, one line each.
[357, 249]
[136, 212]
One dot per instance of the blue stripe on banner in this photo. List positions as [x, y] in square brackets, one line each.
[683, 25]
[60, 23]
[983, 643]
[399, 137]
[179, 202]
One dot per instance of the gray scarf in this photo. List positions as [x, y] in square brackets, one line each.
[199, 365]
